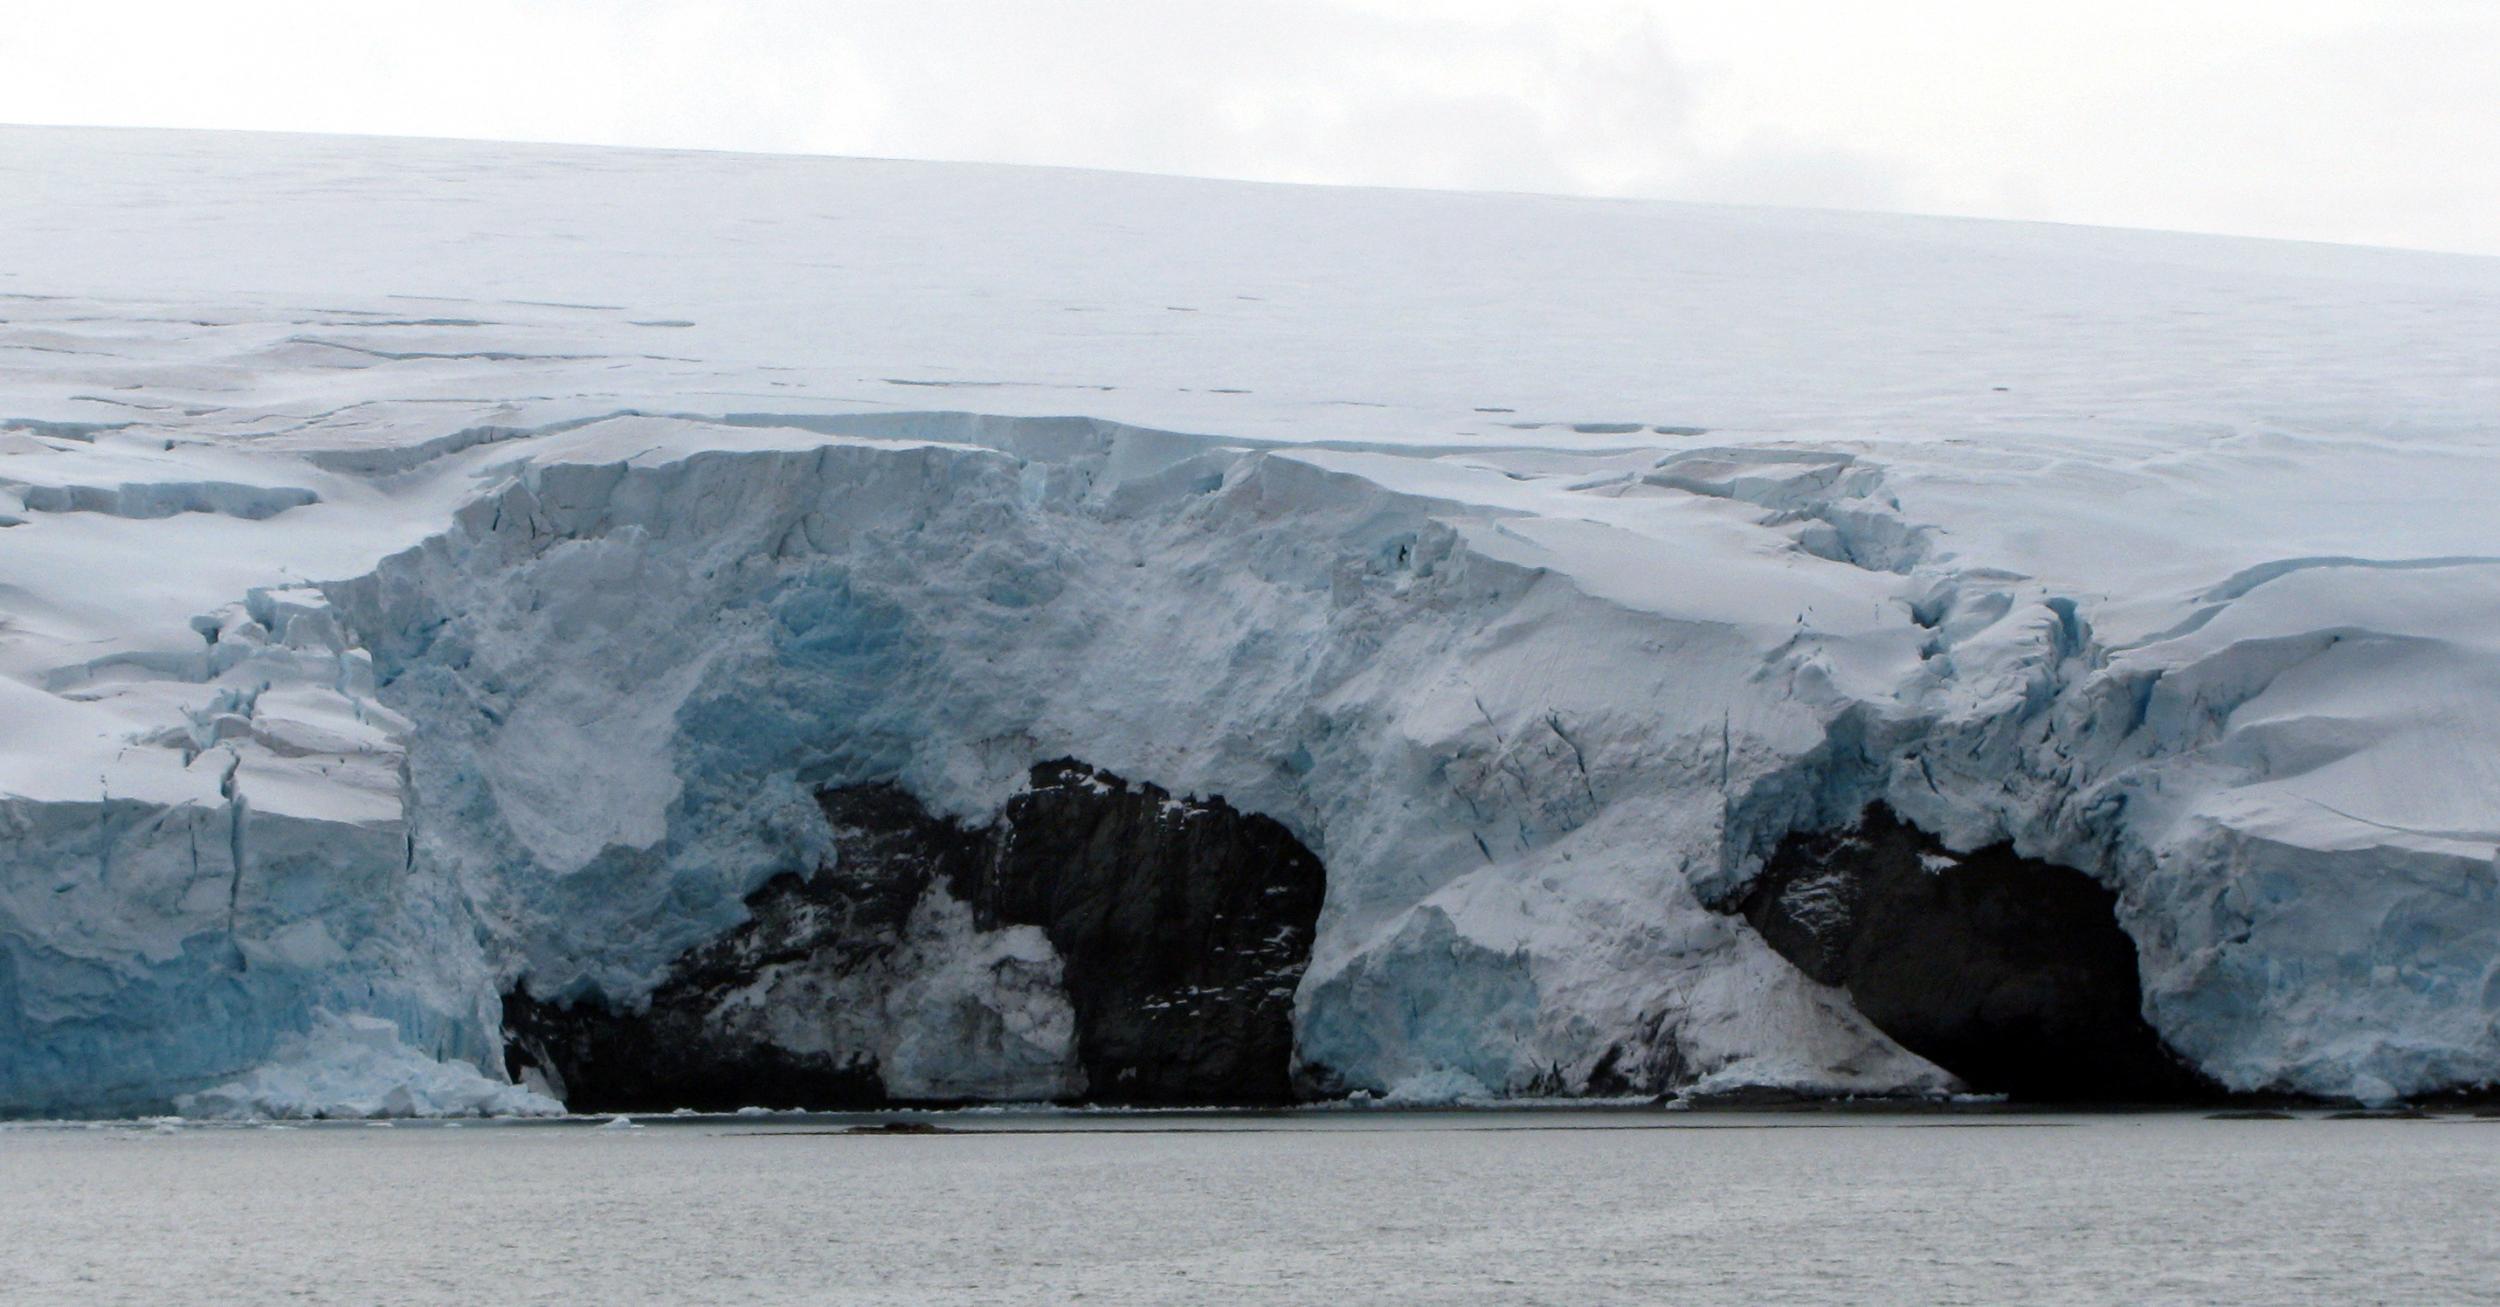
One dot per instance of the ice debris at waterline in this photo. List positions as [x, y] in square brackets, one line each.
[356, 1066]
[431, 572]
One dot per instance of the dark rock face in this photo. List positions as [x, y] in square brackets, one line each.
[2010, 973]
[1181, 928]
[1185, 927]
[685, 1049]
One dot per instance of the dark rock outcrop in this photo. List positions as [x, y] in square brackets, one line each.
[1185, 926]
[1181, 928]
[692, 1046]
[2013, 974]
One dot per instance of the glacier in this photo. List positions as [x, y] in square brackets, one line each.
[436, 576]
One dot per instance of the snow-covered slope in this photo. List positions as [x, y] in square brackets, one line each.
[430, 568]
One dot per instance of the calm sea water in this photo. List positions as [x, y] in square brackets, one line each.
[1334, 1208]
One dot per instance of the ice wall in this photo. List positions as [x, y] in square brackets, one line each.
[627, 679]
[1527, 751]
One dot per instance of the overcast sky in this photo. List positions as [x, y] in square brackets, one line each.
[2374, 121]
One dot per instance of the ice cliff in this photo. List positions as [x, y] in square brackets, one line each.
[448, 592]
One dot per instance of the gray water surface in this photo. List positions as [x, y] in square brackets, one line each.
[1338, 1208]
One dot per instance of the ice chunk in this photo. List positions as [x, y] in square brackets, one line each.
[1440, 1087]
[350, 1066]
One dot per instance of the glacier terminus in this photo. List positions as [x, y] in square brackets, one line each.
[490, 629]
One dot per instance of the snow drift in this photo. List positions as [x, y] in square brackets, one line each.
[478, 598]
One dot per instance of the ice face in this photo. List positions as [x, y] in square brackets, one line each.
[363, 659]
[938, 615]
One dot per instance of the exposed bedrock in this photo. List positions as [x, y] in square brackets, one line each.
[1183, 926]
[1096, 942]
[2009, 972]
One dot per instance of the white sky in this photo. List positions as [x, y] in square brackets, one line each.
[2374, 121]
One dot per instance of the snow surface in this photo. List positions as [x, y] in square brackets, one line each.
[427, 565]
